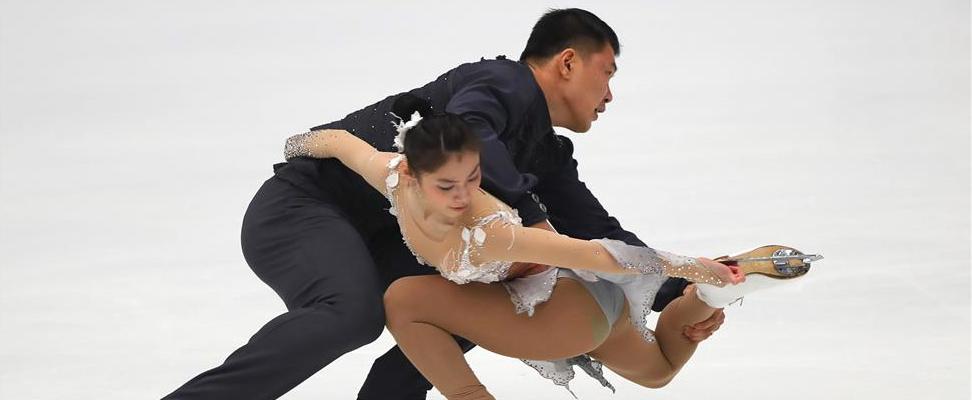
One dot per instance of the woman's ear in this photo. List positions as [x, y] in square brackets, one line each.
[406, 171]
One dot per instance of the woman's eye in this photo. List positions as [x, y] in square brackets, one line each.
[473, 179]
[446, 189]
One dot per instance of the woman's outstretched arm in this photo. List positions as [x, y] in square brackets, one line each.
[353, 152]
[524, 244]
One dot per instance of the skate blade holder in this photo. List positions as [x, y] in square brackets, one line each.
[775, 261]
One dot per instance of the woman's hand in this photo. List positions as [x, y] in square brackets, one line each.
[730, 275]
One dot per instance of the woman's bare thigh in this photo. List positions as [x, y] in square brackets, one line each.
[570, 323]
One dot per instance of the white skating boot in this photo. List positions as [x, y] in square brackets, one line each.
[764, 267]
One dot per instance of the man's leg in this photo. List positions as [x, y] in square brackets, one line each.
[392, 376]
[670, 290]
[319, 265]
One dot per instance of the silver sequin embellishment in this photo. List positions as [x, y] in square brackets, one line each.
[463, 269]
[561, 372]
[528, 291]
[296, 145]
[391, 183]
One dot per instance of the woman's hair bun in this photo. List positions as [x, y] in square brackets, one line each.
[428, 144]
[407, 104]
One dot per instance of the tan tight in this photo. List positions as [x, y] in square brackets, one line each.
[423, 312]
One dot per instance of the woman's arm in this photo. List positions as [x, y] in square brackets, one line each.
[353, 152]
[524, 244]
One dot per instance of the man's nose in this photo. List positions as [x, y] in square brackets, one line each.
[608, 96]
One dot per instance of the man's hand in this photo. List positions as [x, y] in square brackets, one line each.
[704, 329]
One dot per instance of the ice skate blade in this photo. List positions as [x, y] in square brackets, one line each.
[774, 261]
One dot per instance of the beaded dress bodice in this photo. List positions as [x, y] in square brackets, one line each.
[462, 263]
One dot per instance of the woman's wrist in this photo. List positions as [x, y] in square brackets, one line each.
[299, 145]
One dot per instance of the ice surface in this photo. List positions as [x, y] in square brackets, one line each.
[133, 134]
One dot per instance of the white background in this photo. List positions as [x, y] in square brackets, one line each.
[133, 135]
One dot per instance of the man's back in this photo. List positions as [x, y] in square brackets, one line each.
[499, 99]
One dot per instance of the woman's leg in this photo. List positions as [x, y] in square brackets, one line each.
[423, 312]
[654, 364]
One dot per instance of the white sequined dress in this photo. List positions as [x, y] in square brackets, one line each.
[462, 265]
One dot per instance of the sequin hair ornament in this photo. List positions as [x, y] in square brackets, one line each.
[402, 128]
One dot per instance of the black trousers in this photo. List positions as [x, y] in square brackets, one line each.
[331, 277]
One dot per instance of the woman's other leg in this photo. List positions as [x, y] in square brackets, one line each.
[655, 364]
[392, 376]
[423, 312]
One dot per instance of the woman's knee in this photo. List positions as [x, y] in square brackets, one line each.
[399, 301]
[656, 377]
[655, 382]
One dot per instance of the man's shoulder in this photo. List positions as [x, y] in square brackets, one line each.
[559, 151]
[501, 81]
[564, 144]
[501, 72]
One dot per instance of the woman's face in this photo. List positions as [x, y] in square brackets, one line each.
[448, 189]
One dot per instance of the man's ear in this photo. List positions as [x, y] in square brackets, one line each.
[565, 59]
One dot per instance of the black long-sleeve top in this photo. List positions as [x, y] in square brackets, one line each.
[524, 163]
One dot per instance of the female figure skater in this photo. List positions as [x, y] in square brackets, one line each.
[593, 303]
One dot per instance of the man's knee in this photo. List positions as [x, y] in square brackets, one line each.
[365, 316]
[345, 324]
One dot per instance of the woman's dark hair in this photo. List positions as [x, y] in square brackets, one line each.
[572, 27]
[429, 144]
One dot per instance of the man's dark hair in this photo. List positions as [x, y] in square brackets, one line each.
[571, 27]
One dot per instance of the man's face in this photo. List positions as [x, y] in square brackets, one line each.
[587, 91]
